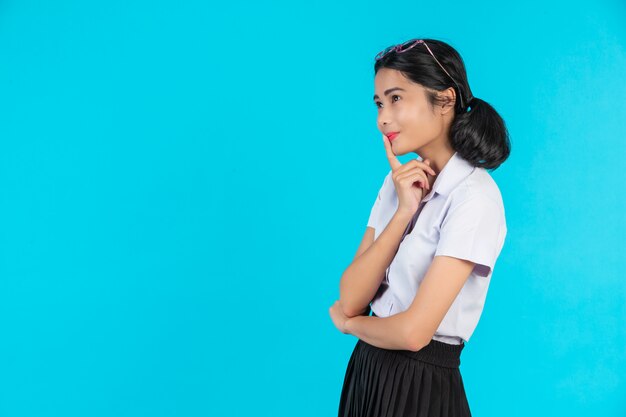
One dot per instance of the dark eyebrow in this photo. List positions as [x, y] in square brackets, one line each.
[390, 91]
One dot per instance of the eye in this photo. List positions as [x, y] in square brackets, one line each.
[392, 100]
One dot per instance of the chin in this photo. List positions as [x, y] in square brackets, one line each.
[398, 150]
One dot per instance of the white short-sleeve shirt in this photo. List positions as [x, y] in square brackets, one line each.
[462, 216]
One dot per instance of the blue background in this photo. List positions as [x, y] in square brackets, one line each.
[182, 185]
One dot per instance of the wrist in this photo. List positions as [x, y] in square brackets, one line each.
[404, 214]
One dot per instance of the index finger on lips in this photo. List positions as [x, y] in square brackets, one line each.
[393, 161]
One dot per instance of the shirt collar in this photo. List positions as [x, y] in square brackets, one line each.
[454, 171]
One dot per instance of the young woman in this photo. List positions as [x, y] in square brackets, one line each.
[432, 238]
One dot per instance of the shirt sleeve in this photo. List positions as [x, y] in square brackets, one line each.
[375, 212]
[474, 230]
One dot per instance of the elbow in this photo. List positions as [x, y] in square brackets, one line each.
[348, 310]
[351, 308]
[352, 304]
[345, 300]
[414, 344]
[414, 339]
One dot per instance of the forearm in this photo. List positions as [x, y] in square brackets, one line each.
[384, 332]
[362, 278]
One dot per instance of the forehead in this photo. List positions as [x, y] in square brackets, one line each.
[387, 78]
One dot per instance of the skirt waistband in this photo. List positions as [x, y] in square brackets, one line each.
[436, 353]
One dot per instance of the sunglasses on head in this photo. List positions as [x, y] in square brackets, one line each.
[405, 46]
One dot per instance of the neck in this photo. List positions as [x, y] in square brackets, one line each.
[438, 156]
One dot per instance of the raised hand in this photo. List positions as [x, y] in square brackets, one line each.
[411, 179]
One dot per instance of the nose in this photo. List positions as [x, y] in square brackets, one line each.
[383, 118]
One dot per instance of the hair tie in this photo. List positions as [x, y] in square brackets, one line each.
[471, 103]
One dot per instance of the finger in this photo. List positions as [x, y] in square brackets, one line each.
[415, 181]
[415, 176]
[427, 161]
[432, 171]
[391, 157]
[414, 163]
[411, 171]
[417, 163]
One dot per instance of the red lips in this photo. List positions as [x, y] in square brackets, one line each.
[392, 135]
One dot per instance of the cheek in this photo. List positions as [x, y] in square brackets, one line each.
[420, 122]
[416, 117]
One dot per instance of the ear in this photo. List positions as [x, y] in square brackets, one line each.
[449, 98]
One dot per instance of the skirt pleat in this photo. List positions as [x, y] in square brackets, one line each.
[401, 383]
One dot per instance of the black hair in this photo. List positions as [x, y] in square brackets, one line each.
[479, 134]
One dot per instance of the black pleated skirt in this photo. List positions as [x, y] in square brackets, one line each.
[402, 383]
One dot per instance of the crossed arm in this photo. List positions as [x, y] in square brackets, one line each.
[362, 278]
[413, 328]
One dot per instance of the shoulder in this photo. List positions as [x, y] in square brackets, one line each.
[478, 194]
[473, 227]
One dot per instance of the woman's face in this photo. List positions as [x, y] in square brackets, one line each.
[405, 110]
